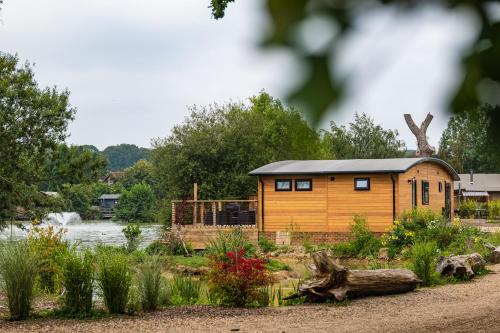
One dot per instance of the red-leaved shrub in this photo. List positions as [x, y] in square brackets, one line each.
[236, 280]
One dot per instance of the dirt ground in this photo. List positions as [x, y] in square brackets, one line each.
[466, 307]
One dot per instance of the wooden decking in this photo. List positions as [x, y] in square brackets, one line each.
[199, 235]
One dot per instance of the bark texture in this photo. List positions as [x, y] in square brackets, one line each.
[460, 266]
[495, 253]
[424, 149]
[331, 281]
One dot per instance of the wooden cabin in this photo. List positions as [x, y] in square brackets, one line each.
[318, 199]
[107, 203]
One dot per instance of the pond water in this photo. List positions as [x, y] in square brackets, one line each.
[91, 233]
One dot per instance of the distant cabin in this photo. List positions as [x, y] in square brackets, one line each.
[481, 187]
[318, 199]
[107, 203]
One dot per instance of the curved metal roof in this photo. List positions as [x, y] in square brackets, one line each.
[387, 165]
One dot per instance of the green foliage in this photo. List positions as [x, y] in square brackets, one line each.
[423, 260]
[114, 279]
[276, 266]
[364, 243]
[229, 240]
[342, 249]
[18, 271]
[33, 122]
[132, 233]
[124, 156]
[494, 210]
[149, 277]
[174, 243]
[72, 165]
[140, 172]
[465, 143]
[136, 204]
[47, 246]
[266, 245]
[363, 139]
[468, 208]
[78, 275]
[419, 218]
[212, 146]
[186, 289]
[195, 261]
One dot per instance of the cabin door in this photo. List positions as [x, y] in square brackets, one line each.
[447, 200]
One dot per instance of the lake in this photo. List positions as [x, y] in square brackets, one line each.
[91, 233]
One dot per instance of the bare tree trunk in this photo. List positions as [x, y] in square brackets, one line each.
[333, 281]
[424, 149]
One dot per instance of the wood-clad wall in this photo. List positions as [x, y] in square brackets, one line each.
[434, 174]
[332, 203]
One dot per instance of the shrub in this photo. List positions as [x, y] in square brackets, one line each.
[423, 259]
[18, 270]
[47, 246]
[342, 249]
[149, 277]
[136, 204]
[157, 248]
[229, 241]
[418, 218]
[114, 279]
[174, 243]
[187, 289]
[467, 208]
[276, 265]
[78, 280]
[238, 280]
[132, 233]
[266, 245]
[364, 243]
[494, 210]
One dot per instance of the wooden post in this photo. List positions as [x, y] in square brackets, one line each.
[220, 206]
[214, 214]
[202, 213]
[195, 202]
[173, 213]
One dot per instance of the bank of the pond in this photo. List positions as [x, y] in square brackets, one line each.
[91, 233]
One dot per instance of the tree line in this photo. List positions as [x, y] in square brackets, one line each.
[216, 146]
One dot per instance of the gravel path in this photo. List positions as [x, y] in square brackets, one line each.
[463, 307]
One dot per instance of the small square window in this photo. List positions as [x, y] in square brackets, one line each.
[283, 185]
[425, 192]
[303, 184]
[440, 187]
[362, 184]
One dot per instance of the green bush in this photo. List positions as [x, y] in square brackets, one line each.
[342, 249]
[132, 233]
[18, 269]
[187, 289]
[114, 278]
[136, 204]
[364, 243]
[226, 241]
[266, 245]
[494, 210]
[467, 208]
[157, 248]
[174, 243]
[418, 218]
[423, 260]
[276, 266]
[149, 277]
[78, 280]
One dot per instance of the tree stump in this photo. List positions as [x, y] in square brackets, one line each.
[460, 266]
[336, 282]
[495, 253]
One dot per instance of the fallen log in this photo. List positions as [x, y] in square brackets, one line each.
[331, 281]
[460, 266]
[494, 256]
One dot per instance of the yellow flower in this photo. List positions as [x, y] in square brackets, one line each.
[396, 222]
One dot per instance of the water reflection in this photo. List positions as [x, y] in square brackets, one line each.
[91, 233]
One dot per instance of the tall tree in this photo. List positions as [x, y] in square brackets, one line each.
[466, 143]
[72, 165]
[33, 122]
[217, 147]
[362, 139]
[424, 149]
[141, 172]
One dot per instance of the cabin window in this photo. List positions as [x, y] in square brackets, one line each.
[425, 192]
[440, 187]
[303, 185]
[362, 184]
[283, 185]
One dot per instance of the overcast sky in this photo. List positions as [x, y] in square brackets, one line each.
[133, 69]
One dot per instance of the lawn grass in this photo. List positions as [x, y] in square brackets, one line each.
[194, 261]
